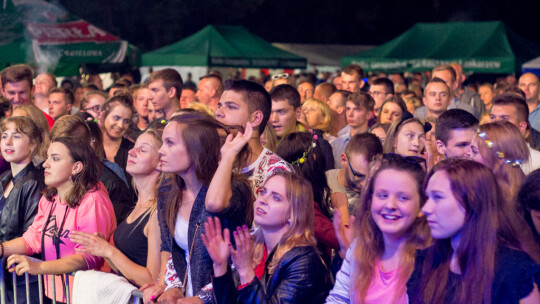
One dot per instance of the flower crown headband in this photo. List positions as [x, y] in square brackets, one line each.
[302, 159]
[500, 155]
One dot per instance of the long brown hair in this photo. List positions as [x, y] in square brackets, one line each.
[301, 231]
[505, 138]
[37, 116]
[475, 188]
[203, 143]
[369, 239]
[86, 179]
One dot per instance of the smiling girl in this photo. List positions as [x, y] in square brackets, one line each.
[115, 120]
[388, 230]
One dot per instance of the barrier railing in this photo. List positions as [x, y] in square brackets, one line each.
[136, 296]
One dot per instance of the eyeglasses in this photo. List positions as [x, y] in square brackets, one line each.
[376, 93]
[360, 176]
[281, 76]
[96, 108]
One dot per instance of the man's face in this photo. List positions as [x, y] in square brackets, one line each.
[306, 91]
[436, 97]
[283, 117]
[351, 83]
[58, 106]
[357, 116]
[528, 83]
[337, 82]
[335, 102]
[187, 97]
[447, 77]
[43, 85]
[458, 145]
[355, 180]
[508, 113]
[18, 93]
[204, 91]
[159, 96]
[378, 92]
[232, 109]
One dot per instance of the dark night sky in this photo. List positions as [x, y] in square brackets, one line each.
[152, 24]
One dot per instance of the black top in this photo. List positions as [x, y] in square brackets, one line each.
[123, 198]
[122, 154]
[21, 204]
[299, 277]
[515, 273]
[131, 241]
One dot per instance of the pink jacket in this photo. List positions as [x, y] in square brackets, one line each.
[94, 214]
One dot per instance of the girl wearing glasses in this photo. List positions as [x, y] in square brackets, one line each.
[388, 229]
[476, 256]
[115, 121]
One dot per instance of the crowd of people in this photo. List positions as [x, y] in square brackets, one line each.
[349, 188]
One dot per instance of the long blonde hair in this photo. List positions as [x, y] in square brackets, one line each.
[301, 231]
[369, 239]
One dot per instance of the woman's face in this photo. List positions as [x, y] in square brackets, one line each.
[409, 140]
[314, 116]
[117, 122]
[174, 157]
[141, 102]
[475, 151]
[390, 112]
[16, 147]
[143, 159]
[444, 213]
[395, 203]
[272, 207]
[59, 166]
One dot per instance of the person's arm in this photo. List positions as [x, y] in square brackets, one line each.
[153, 290]
[532, 298]
[30, 203]
[340, 293]
[324, 230]
[219, 191]
[15, 246]
[23, 264]
[135, 273]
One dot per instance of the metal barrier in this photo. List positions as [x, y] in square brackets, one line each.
[136, 296]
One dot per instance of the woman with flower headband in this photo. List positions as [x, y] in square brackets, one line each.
[499, 146]
[303, 151]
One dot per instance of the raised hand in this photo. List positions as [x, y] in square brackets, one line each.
[217, 245]
[94, 244]
[234, 144]
[242, 257]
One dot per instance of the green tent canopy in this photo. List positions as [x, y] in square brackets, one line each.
[223, 46]
[48, 37]
[481, 47]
